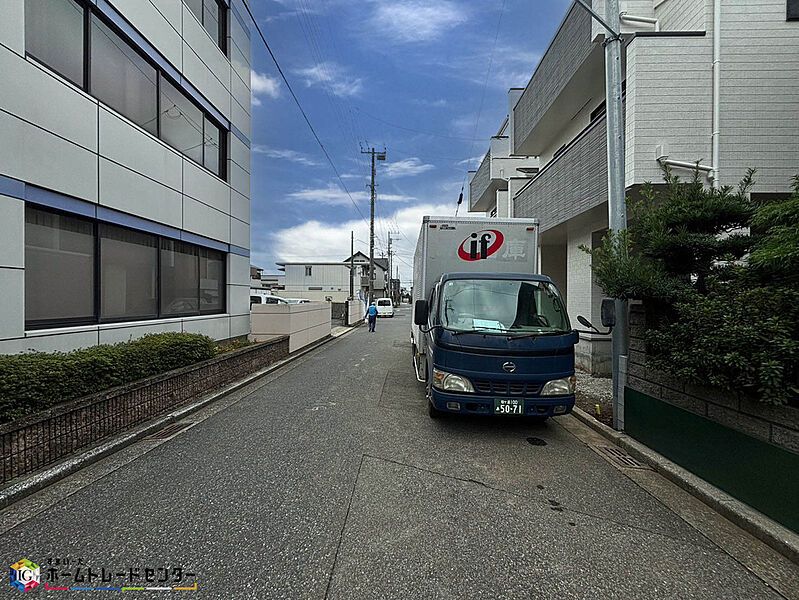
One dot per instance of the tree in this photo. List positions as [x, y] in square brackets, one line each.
[716, 315]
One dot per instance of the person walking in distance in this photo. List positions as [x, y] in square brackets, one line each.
[371, 316]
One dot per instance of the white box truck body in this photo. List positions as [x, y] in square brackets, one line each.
[471, 245]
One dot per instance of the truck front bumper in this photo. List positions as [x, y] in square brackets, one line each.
[474, 404]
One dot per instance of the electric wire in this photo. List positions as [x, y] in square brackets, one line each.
[302, 110]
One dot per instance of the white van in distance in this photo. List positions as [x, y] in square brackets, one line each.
[385, 308]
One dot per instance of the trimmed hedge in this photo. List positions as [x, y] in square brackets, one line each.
[35, 381]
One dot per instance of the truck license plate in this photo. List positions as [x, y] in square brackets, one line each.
[508, 406]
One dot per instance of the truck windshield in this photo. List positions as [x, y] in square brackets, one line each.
[501, 306]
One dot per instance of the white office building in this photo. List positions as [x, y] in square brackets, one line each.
[124, 171]
[670, 48]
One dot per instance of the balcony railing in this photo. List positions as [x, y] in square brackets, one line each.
[571, 183]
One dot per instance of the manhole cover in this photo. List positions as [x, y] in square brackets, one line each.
[620, 458]
[534, 441]
[168, 431]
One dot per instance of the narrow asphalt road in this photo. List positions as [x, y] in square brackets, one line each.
[328, 480]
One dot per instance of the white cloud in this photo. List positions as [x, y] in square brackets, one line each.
[335, 196]
[315, 240]
[417, 20]
[407, 167]
[333, 77]
[285, 154]
[474, 161]
[263, 84]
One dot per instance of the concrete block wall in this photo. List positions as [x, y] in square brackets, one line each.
[58, 137]
[778, 425]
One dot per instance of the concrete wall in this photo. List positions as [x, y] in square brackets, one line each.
[303, 323]
[56, 136]
[356, 309]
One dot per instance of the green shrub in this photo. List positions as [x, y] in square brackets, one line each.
[722, 303]
[35, 381]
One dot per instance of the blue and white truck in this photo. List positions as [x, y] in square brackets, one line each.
[490, 335]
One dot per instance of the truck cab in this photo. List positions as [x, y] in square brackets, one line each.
[495, 344]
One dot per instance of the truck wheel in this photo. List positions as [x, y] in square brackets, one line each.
[432, 411]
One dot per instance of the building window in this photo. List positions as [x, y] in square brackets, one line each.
[212, 281]
[59, 268]
[793, 10]
[308, 271]
[181, 122]
[211, 13]
[78, 271]
[180, 278]
[54, 35]
[121, 78]
[186, 128]
[128, 274]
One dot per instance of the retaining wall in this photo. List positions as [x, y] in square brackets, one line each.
[748, 448]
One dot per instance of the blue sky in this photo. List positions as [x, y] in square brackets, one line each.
[407, 75]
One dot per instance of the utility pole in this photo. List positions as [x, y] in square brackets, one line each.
[352, 264]
[390, 286]
[379, 156]
[617, 207]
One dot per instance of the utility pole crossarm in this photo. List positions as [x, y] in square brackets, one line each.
[615, 34]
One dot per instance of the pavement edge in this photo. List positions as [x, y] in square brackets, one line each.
[31, 484]
[760, 526]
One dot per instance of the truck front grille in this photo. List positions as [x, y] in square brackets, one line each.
[505, 388]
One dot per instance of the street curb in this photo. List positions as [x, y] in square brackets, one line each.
[780, 538]
[37, 481]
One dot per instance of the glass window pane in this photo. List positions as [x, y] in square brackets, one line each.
[121, 78]
[128, 273]
[212, 281]
[59, 266]
[181, 122]
[196, 6]
[54, 35]
[179, 278]
[212, 147]
[211, 16]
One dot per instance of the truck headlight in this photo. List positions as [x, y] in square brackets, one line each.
[560, 387]
[450, 382]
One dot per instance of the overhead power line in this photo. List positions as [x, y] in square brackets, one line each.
[434, 133]
[297, 102]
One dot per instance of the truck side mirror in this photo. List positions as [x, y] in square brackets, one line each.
[608, 313]
[586, 323]
[420, 313]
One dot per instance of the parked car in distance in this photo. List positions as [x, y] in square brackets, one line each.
[298, 300]
[262, 297]
[385, 308]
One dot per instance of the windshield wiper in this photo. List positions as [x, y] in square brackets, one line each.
[477, 330]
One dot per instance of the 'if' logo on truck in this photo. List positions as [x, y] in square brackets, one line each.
[481, 245]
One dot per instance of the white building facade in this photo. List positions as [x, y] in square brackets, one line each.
[124, 171]
[320, 281]
[670, 102]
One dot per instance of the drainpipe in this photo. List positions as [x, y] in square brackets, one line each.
[633, 19]
[716, 91]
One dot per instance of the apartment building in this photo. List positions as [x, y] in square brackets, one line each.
[670, 103]
[331, 280]
[124, 171]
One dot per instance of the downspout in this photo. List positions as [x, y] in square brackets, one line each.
[716, 91]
